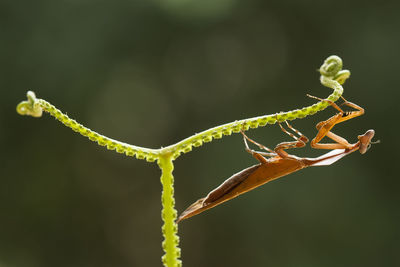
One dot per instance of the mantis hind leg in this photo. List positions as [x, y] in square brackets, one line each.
[257, 154]
[300, 141]
[245, 137]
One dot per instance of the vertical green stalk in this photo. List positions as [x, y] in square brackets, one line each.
[169, 213]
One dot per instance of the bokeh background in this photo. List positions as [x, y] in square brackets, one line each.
[151, 73]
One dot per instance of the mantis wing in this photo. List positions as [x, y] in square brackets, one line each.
[331, 157]
[214, 197]
[228, 184]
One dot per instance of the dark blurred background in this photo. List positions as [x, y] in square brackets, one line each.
[151, 73]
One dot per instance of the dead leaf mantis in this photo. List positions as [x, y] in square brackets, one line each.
[279, 163]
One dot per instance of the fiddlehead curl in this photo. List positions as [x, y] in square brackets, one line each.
[30, 107]
[332, 69]
[331, 66]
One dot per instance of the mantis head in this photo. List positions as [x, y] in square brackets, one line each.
[365, 141]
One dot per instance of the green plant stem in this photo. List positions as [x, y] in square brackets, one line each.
[332, 76]
[169, 213]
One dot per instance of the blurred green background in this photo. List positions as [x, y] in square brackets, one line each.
[153, 72]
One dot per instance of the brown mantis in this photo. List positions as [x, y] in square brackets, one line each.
[279, 163]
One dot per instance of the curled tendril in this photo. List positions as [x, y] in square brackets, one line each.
[342, 76]
[30, 107]
[331, 67]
